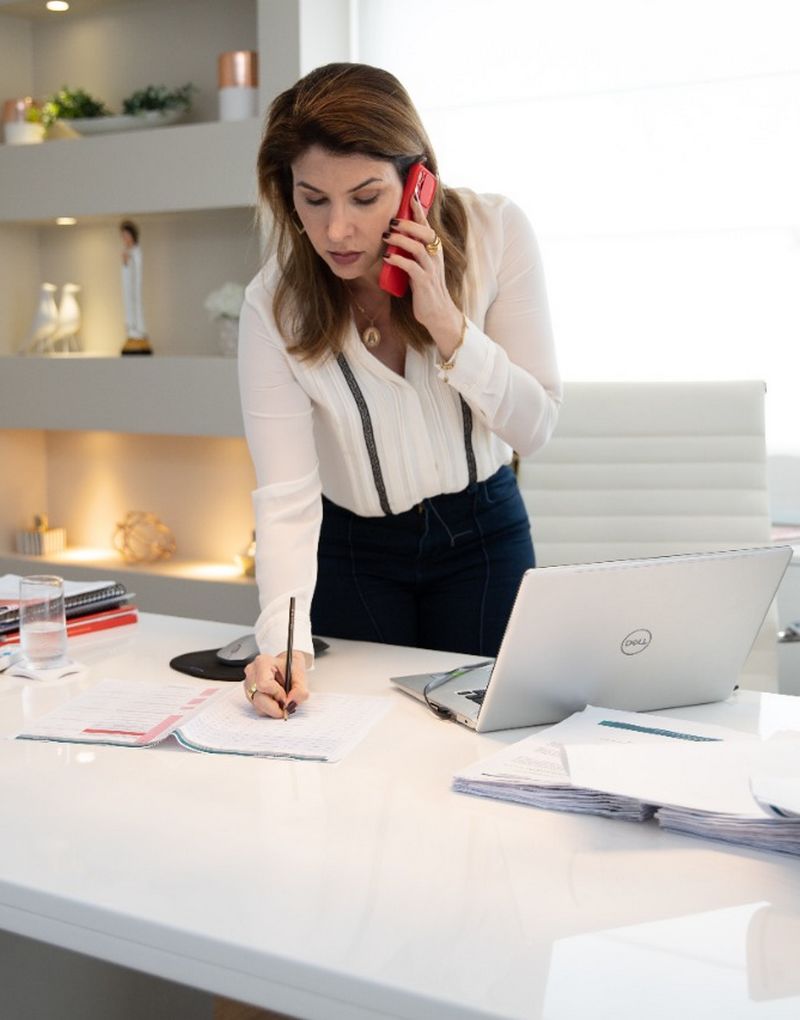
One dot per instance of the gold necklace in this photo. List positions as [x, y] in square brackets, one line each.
[371, 336]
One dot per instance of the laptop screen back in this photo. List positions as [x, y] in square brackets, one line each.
[630, 634]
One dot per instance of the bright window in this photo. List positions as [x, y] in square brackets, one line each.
[656, 148]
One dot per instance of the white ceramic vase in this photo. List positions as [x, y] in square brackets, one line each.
[23, 133]
[228, 336]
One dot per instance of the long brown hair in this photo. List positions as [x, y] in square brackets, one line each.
[346, 109]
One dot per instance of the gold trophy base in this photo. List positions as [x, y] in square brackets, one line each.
[137, 345]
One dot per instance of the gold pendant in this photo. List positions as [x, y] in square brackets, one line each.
[371, 337]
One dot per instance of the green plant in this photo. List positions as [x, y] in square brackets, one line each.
[159, 97]
[71, 104]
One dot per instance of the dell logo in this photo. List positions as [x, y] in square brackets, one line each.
[636, 642]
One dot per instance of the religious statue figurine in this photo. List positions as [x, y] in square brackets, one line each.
[136, 333]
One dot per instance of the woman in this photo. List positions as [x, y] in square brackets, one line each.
[382, 428]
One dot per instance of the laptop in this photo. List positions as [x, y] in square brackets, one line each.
[637, 634]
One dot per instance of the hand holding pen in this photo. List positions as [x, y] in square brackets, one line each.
[276, 685]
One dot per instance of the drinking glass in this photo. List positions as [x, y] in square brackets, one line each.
[42, 622]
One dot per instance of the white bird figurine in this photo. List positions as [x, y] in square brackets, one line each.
[69, 319]
[45, 322]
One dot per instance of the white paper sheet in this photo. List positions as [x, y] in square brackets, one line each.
[737, 774]
[700, 777]
[775, 778]
[324, 728]
[540, 759]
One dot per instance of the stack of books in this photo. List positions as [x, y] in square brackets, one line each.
[89, 606]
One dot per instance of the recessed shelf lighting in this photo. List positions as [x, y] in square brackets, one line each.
[83, 554]
[66, 221]
[109, 558]
[57, 5]
[211, 571]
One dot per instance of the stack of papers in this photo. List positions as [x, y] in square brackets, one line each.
[535, 771]
[764, 833]
[767, 817]
[695, 778]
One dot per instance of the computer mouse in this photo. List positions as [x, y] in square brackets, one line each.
[239, 652]
[244, 649]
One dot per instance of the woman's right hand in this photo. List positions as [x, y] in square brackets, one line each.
[264, 684]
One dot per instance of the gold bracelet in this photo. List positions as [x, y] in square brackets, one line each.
[445, 366]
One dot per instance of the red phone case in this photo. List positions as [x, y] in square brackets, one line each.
[392, 278]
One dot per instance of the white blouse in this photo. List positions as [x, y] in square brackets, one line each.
[323, 427]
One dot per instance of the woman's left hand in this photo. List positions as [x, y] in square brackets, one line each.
[423, 260]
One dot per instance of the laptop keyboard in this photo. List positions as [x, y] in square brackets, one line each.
[476, 696]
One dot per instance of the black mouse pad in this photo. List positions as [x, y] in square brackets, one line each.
[206, 664]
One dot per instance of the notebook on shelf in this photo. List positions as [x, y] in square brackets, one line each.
[88, 623]
[80, 598]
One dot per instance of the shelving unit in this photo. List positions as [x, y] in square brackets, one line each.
[175, 169]
[105, 394]
[88, 437]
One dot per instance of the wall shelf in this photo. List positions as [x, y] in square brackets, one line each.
[168, 169]
[182, 396]
[178, 588]
[75, 431]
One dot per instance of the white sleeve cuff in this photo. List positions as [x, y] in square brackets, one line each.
[474, 369]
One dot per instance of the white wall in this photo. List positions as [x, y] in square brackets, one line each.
[655, 147]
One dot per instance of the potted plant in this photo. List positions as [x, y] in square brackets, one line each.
[159, 103]
[69, 104]
[71, 112]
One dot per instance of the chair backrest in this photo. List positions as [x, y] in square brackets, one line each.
[646, 468]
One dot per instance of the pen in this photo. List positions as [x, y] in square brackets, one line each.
[287, 681]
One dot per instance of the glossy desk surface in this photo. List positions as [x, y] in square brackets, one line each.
[368, 888]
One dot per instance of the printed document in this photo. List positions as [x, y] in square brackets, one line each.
[209, 718]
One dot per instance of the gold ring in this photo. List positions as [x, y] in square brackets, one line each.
[252, 692]
[432, 247]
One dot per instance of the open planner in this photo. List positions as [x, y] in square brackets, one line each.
[214, 719]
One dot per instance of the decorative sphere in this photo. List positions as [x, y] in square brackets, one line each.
[143, 538]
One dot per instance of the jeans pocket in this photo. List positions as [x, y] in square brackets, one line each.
[500, 487]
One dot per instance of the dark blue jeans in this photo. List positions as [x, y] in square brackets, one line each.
[442, 575]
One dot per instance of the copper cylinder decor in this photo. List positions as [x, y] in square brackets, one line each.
[237, 73]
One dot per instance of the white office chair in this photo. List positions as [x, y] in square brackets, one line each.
[647, 468]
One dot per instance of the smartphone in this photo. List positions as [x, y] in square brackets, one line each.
[422, 182]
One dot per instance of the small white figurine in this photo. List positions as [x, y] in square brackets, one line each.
[45, 322]
[69, 320]
[135, 330]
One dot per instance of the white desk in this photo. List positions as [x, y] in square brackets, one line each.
[368, 889]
